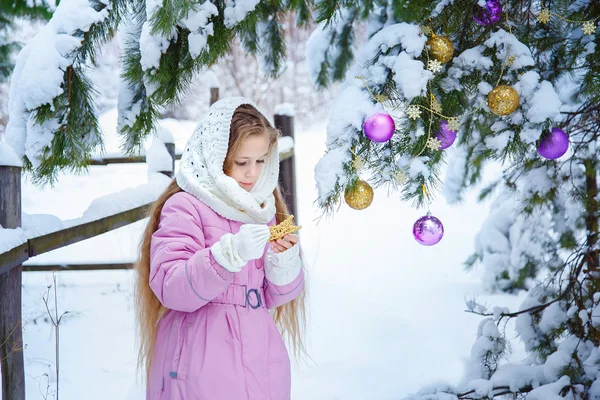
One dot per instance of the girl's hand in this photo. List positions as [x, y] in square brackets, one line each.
[284, 243]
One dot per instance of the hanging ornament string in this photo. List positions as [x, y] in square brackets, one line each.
[510, 59]
[430, 114]
[430, 143]
[357, 161]
[426, 193]
[588, 26]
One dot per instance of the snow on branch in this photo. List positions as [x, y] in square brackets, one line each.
[51, 111]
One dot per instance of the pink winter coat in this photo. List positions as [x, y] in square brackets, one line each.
[218, 340]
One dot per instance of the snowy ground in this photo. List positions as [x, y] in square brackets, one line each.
[386, 314]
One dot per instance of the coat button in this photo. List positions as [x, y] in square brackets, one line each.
[258, 264]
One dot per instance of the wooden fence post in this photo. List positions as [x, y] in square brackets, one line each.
[171, 149]
[214, 95]
[11, 334]
[287, 168]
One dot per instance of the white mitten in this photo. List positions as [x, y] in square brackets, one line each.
[234, 251]
[283, 268]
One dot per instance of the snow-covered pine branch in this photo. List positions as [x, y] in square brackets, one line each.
[513, 246]
[389, 54]
[52, 120]
[165, 43]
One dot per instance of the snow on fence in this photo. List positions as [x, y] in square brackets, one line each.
[17, 248]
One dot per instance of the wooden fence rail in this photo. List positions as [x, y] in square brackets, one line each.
[11, 341]
[142, 159]
[55, 240]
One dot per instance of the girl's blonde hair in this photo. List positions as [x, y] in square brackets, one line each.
[290, 318]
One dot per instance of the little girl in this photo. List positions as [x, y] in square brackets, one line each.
[206, 277]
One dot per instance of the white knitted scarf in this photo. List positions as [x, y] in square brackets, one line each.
[201, 169]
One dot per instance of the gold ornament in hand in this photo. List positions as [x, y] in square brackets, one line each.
[284, 228]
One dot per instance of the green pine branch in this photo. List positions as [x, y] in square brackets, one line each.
[173, 75]
[303, 9]
[72, 117]
[272, 46]
[247, 32]
[77, 135]
[134, 132]
[344, 42]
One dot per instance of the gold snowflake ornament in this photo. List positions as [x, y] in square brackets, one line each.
[544, 16]
[401, 177]
[453, 123]
[589, 28]
[511, 60]
[434, 143]
[284, 228]
[425, 30]
[434, 66]
[358, 163]
[414, 112]
[435, 106]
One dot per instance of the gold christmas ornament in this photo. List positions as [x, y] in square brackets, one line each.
[441, 48]
[511, 60]
[414, 112]
[284, 228]
[425, 30]
[503, 100]
[435, 106]
[434, 66]
[358, 163]
[454, 123]
[589, 27]
[544, 16]
[433, 143]
[359, 197]
[401, 177]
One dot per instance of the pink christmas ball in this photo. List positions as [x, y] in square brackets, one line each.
[428, 230]
[554, 144]
[446, 135]
[379, 127]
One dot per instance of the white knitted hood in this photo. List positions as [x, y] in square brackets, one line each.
[201, 169]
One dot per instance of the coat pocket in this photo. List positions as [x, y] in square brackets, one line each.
[180, 357]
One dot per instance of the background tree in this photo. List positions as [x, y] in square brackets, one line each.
[517, 83]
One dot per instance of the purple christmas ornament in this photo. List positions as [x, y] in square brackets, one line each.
[554, 144]
[488, 14]
[428, 230]
[445, 135]
[379, 127]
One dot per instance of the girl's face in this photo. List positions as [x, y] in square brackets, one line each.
[249, 161]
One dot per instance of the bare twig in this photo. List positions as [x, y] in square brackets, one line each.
[45, 395]
[56, 322]
[535, 309]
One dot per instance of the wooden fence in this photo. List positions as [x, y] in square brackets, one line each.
[11, 268]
